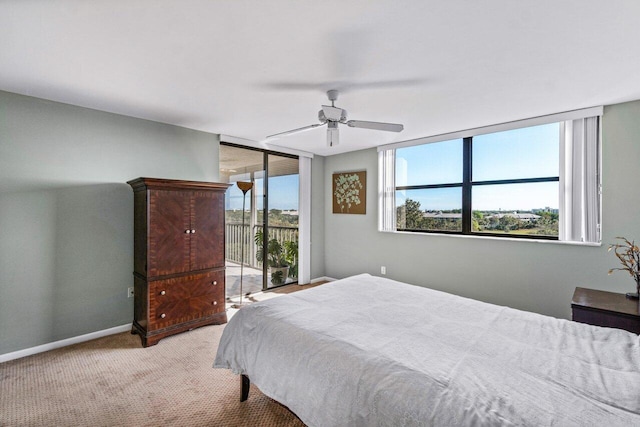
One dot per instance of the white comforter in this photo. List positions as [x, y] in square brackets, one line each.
[369, 351]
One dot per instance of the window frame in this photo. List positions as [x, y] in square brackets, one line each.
[589, 147]
[466, 186]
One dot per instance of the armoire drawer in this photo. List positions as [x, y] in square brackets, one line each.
[185, 298]
[208, 284]
[163, 291]
[169, 313]
[207, 304]
[187, 286]
[175, 312]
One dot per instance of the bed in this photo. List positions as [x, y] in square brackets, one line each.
[370, 351]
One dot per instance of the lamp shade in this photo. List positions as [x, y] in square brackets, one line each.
[245, 186]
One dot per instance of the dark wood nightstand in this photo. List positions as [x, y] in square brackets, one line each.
[602, 308]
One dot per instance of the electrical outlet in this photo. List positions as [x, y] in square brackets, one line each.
[130, 292]
[383, 270]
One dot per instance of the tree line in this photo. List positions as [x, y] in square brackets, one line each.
[410, 216]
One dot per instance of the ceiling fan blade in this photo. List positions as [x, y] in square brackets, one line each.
[289, 132]
[390, 127]
[293, 86]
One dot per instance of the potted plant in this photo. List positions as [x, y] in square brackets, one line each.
[291, 257]
[629, 255]
[278, 266]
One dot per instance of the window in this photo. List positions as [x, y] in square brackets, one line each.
[429, 187]
[539, 181]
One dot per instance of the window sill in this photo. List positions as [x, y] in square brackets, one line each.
[509, 239]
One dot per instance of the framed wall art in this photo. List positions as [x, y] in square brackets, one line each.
[350, 192]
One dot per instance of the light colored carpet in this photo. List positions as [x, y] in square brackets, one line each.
[113, 381]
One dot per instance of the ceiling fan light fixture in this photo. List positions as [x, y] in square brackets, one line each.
[332, 134]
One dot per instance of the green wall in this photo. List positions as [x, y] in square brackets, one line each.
[533, 276]
[66, 212]
[66, 222]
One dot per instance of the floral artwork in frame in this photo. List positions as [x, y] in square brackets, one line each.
[350, 193]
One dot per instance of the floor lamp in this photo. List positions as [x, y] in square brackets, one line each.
[244, 187]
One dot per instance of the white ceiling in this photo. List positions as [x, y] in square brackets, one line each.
[254, 68]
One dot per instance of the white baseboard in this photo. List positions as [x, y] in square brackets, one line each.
[63, 343]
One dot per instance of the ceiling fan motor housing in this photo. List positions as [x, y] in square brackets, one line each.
[332, 114]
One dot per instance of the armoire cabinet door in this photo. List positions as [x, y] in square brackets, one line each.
[169, 232]
[207, 220]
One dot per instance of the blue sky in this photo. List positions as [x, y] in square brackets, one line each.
[522, 153]
[283, 193]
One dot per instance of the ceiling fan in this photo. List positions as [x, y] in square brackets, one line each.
[332, 116]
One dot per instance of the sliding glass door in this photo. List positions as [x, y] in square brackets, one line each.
[261, 222]
[282, 220]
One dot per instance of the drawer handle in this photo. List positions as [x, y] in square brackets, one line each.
[162, 316]
[215, 282]
[187, 231]
[163, 293]
[215, 303]
[193, 231]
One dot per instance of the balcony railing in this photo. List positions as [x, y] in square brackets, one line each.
[234, 240]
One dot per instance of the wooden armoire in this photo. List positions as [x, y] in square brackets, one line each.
[179, 256]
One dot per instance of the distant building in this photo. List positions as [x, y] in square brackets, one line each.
[290, 212]
[546, 209]
[440, 215]
[520, 216]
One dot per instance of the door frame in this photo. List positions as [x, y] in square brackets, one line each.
[304, 205]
